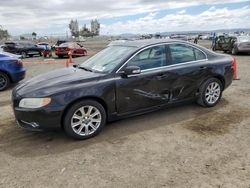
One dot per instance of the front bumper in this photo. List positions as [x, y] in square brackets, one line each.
[38, 119]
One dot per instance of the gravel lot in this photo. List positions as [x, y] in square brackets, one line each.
[182, 146]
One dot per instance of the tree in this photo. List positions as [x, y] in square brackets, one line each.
[4, 34]
[74, 28]
[22, 38]
[34, 35]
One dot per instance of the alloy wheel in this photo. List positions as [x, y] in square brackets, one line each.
[86, 120]
[212, 93]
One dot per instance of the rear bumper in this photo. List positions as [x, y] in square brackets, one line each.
[229, 75]
[66, 54]
[18, 75]
[62, 53]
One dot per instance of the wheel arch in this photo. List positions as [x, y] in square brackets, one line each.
[94, 98]
[219, 77]
[8, 74]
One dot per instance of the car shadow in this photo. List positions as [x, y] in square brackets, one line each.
[21, 143]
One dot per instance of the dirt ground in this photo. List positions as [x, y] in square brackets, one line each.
[182, 146]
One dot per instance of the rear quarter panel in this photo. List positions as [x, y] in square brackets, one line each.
[221, 68]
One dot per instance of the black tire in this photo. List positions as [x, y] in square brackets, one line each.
[60, 56]
[203, 92]
[23, 54]
[234, 51]
[67, 122]
[4, 81]
[30, 55]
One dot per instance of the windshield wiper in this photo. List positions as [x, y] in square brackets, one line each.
[84, 68]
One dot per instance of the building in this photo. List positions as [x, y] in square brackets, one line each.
[95, 27]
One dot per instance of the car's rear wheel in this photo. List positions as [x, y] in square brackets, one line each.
[210, 92]
[234, 51]
[23, 54]
[84, 119]
[4, 81]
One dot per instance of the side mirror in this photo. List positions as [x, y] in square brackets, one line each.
[131, 70]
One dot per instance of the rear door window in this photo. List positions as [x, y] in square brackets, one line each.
[199, 55]
[182, 53]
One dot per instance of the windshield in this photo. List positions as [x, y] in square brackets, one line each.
[107, 59]
[244, 38]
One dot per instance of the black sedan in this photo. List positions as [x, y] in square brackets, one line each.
[23, 48]
[126, 78]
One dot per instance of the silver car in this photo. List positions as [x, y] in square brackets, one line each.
[241, 44]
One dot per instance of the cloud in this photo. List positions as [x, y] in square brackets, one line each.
[181, 12]
[53, 16]
[210, 19]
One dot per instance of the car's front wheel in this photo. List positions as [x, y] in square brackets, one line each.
[210, 92]
[84, 119]
[4, 81]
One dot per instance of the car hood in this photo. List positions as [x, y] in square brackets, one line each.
[56, 81]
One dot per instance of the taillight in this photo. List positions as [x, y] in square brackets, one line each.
[67, 49]
[19, 62]
[234, 67]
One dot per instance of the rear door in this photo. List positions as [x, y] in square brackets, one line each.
[188, 68]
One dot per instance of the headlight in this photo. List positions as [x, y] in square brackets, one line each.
[34, 102]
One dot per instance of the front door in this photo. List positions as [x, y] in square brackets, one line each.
[138, 92]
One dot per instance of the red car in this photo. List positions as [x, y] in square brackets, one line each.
[75, 48]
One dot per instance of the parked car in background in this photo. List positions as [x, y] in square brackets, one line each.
[233, 44]
[11, 70]
[73, 47]
[47, 49]
[23, 48]
[179, 37]
[125, 79]
[1, 48]
[241, 45]
[58, 44]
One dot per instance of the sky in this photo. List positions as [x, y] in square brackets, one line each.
[51, 17]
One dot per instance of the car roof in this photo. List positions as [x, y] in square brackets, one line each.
[19, 42]
[67, 44]
[142, 43]
[42, 43]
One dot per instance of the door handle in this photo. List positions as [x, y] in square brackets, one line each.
[202, 68]
[161, 76]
